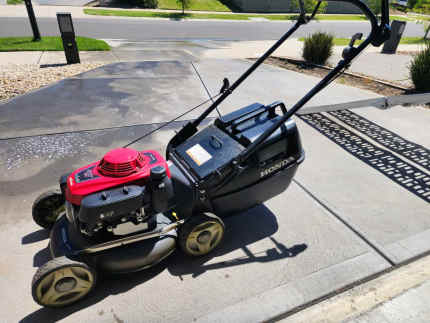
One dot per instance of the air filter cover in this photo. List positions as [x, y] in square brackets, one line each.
[121, 162]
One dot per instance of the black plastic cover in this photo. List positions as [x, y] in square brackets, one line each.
[111, 204]
[247, 111]
[63, 183]
[208, 150]
[248, 123]
[258, 192]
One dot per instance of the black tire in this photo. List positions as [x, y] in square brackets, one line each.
[61, 282]
[47, 207]
[201, 234]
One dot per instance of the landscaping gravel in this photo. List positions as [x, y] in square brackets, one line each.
[20, 79]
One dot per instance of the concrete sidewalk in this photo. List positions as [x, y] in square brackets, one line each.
[401, 295]
[40, 11]
[393, 68]
[50, 11]
[413, 306]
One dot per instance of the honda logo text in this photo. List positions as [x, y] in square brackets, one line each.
[274, 168]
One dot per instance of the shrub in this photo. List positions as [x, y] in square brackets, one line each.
[422, 6]
[412, 3]
[317, 48]
[419, 69]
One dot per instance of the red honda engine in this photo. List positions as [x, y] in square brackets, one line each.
[117, 191]
[118, 167]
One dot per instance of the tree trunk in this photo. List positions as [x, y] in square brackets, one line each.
[183, 7]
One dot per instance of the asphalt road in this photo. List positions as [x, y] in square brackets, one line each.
[139, 30]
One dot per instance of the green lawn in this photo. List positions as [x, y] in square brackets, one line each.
[341, 17]
[178, 15]
[356, 17]
[202, 5]
[11, 44]
[404, 40]
[15, 1]
[171, 15]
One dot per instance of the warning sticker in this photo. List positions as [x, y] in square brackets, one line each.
[198, 154]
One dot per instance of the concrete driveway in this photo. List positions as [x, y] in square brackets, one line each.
[343, 219]
[74, 3]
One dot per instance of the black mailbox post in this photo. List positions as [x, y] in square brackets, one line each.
[68, 36]
[33, 22]
[397, 29]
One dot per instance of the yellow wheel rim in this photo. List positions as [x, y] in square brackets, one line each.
[64, 286]
[204, 238]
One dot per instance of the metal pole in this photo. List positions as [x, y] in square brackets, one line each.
[65, 24]
[33, 22]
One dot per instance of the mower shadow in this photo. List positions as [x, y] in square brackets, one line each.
[241, 231]
[41, 257]
[35, 236]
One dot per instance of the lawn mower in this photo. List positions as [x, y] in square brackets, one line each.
[129, 210]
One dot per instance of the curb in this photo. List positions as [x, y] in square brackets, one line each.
[380, 103]
[328, 68]
[293, 296]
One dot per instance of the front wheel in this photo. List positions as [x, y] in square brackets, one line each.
[47, 208]
[62, 281]
[201, 234]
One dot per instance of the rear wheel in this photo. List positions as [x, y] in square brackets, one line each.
[62, 281]
[201, 234]
[47, 207]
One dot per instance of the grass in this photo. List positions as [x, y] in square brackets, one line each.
[49, 44]
[197, 5]
[188, 15]
[171, 15]
[15, 1]
[356, 17]
[275, 17]
[404, 40]
[341, 17]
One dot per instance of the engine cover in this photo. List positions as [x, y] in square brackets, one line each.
[118, 167]
[111, 204]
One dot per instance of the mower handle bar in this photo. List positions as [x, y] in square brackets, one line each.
[378, 35]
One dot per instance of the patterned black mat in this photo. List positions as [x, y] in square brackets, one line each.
[384, 161]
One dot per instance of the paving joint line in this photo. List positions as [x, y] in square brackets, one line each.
[113, 51]
[344, 222]
[98, 129]
[40, 58]
[348, 287]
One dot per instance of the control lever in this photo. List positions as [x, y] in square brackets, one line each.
[225, 85]
[350, 49]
